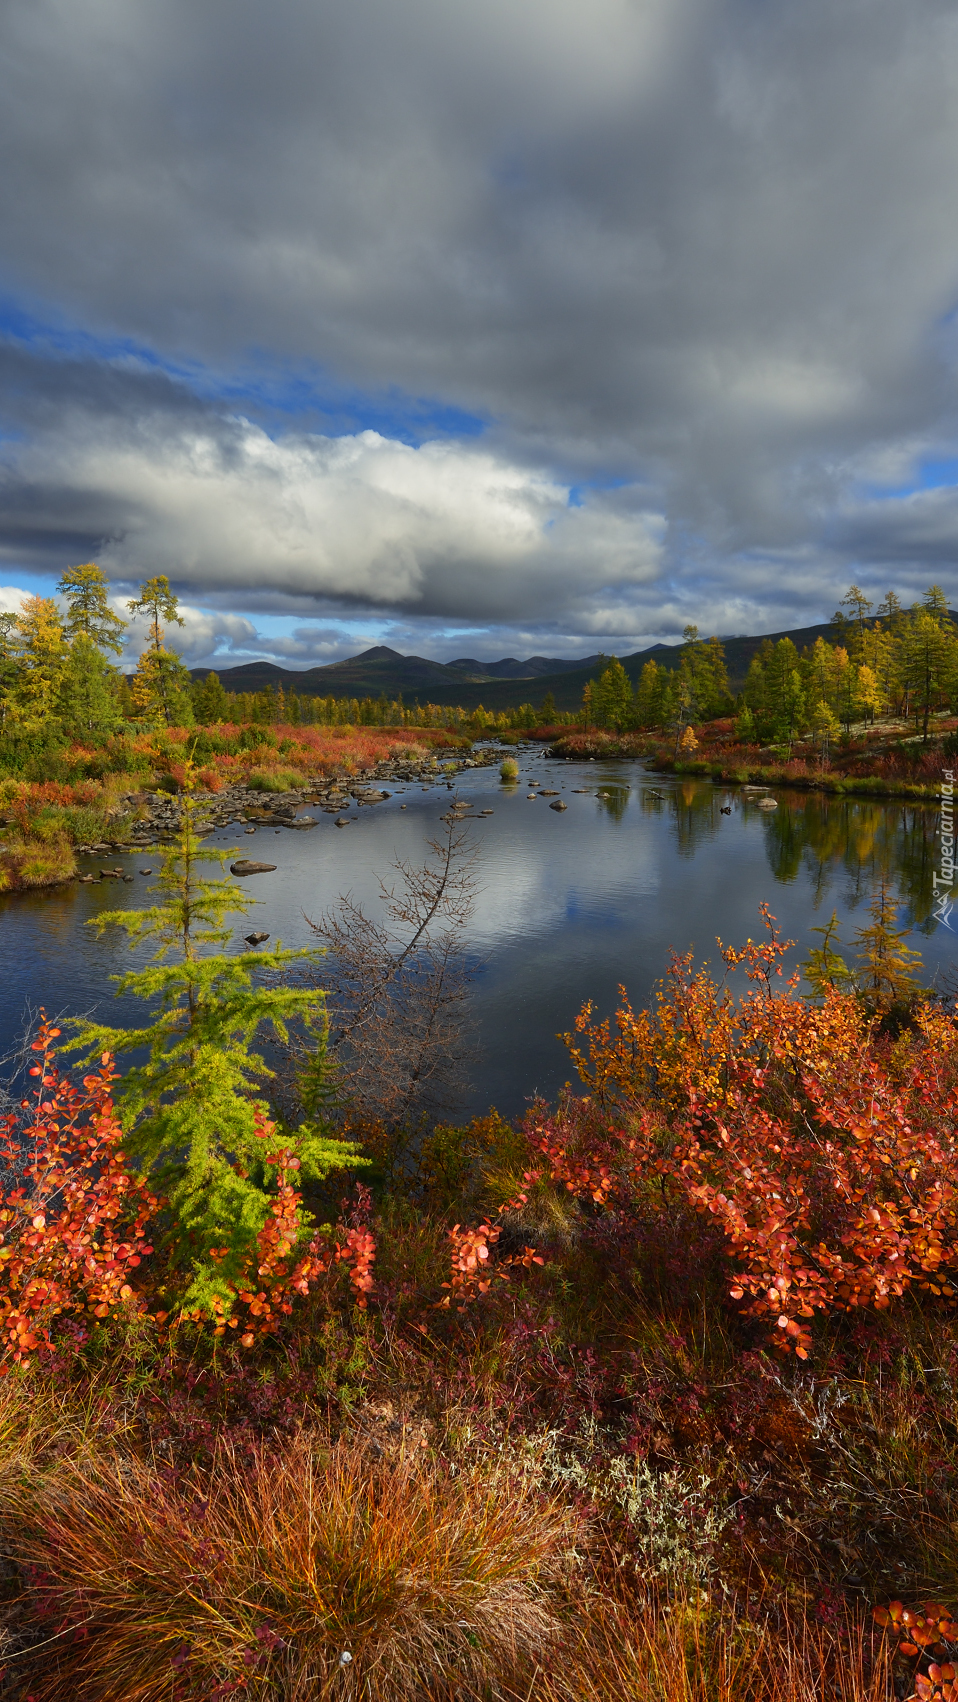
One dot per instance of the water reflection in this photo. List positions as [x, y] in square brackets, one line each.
[572, 903]
[866, 840]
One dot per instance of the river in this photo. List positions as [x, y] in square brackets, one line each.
[570, 903]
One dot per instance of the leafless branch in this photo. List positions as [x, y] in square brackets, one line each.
[398, 987]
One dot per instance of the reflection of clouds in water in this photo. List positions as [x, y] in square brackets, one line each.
[535, 883]
[533, 876]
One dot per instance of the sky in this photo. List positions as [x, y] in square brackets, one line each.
[479, 330]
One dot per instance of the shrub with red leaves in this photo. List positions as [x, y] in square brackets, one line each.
[72, 1231]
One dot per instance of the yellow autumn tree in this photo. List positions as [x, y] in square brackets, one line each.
[41, 655]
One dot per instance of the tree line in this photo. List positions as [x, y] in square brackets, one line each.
[57, 675]
[902, 663]
[59, 679]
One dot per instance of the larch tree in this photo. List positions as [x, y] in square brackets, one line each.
[193, 1109]
[86, 591]
[161, 685]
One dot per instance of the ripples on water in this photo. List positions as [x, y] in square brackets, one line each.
[570, 904]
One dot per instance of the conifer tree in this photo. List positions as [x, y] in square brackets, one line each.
[159, 603]
[85, 589]
[859, 608]
[41, 657]
[824, 729]
[745, 725]
[612, 696]
[647, 708]
[161, 683]
[161, 688]
[928, 651]
[887, 975]
[9, 667]
[824, 967]
[755, 694]
[189, 1111]
[211, 701]
[88, 705]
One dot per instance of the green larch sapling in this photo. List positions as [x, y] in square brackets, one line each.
[189, 1111]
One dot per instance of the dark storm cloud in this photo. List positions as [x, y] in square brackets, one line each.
[708, 249]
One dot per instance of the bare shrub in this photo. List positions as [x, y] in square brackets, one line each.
[398, 989]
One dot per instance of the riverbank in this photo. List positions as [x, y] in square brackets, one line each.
[878, 763]
[47, 823]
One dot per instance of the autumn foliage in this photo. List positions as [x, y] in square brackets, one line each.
[822, 1148]
[929, 1635]
[73, 1224]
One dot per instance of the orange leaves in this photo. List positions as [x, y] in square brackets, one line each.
[272, 1273]
[827, 1154]
[75, 1229]
[358, 1252]
[929, 1631]
[472, 1273]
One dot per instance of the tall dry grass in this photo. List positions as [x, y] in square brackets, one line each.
[687, 1650]
[256, 1579]
[311, 1572]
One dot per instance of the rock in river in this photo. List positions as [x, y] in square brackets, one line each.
[245, 867]
[559, 805]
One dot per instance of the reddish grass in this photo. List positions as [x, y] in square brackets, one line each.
[256, 1579]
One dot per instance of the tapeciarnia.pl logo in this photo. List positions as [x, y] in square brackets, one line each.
[946, 879]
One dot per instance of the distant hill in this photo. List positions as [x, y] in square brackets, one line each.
[467, 683]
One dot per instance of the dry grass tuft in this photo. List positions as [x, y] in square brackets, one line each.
[260, 1580]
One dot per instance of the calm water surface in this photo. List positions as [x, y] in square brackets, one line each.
[570, 904]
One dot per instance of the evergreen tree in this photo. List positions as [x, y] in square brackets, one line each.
[85, 589]
[684, 702]
[647, 706]
[824, 729]
[41, 657]
[755, 692]
[892, 613]
[161, 683]
[9, 666]
[935, 604]
[547, 709]
[845, 697]
[612, 697]
[784, 696]
[887, 974]
[161, 688]
[745, 725]
[824, 967]
[189, 1111]
[869, 691]
[928, 653]
[88, 704]
[706, 664]
[158, 602]
[210, 701]
[859, 609]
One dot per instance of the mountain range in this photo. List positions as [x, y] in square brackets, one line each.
[467, 683]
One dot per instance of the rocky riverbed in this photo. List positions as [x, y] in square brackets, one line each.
[156, 815]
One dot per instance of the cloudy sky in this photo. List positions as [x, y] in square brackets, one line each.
[479, 330]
